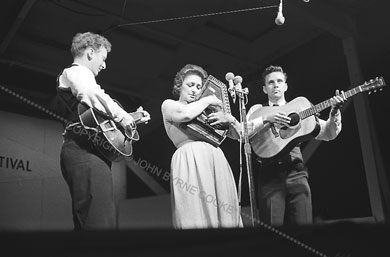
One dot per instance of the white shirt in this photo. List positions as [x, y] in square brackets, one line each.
[81, 81]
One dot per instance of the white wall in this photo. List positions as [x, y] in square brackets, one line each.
[33, 194]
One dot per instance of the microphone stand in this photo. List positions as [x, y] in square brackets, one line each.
[247, 150]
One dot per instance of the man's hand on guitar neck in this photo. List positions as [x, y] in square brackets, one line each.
[145, 115]
[337, 102]
[128, 123]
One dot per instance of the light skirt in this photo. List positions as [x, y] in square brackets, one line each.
[203, 189]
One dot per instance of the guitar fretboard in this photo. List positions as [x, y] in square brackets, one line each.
[372, 85]
[326, 104]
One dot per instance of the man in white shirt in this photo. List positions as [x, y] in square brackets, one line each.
[86, 170]
[283, 191]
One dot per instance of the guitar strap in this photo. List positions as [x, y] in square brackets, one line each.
[274, 131]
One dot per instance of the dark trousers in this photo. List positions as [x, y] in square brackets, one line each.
[91, 188]
[284, 199]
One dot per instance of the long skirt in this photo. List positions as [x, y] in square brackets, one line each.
[203, 189]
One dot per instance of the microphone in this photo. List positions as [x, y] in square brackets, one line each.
[279, 20]
[237, 81]
[229, 77]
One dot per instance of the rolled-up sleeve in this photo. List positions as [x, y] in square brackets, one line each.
[81, 81]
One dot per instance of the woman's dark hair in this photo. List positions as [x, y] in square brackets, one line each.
[185, 71]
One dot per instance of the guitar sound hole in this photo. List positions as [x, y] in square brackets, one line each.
[294, 119]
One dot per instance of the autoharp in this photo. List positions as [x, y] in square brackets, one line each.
[200, 127]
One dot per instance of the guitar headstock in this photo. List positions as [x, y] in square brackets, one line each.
[373, 85]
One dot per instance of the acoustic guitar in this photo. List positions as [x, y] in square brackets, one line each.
[112, 139]
[274, 140]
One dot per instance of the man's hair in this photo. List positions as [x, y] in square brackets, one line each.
[180, 76]
[82, 41]
[270, 69]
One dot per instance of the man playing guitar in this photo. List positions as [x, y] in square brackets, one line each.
[86, 170]
[284, 195]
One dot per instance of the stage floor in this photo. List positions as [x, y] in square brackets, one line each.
[339, 239]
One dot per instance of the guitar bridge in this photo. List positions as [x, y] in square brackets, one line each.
[273, 129]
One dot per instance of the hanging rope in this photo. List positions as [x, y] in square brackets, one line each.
[191, 17]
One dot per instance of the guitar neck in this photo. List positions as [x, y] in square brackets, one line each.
[326, 104]
[137, 116]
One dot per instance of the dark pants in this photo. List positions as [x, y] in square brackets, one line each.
[90, 182]
[284, 198]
